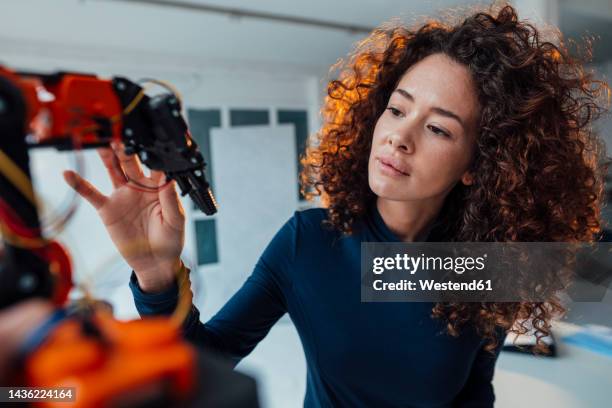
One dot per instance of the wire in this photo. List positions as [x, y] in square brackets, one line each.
[173, 91]
[144, 188]
[185, 295]
[60, 218]
[128, 109]
[15, 233]
[12, 228]
[166, 85]
[17, 177]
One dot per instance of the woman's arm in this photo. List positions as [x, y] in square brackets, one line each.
[148, 228]
[248, 316]
[237, 328]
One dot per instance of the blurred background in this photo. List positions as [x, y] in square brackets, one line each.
[252, 77]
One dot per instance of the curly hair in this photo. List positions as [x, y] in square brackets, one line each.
[538, 169]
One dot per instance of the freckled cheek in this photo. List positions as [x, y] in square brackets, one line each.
[439, 168]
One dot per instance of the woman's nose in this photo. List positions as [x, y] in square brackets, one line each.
[402, 142]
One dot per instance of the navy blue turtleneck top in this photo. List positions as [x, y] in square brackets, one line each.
[358, 354]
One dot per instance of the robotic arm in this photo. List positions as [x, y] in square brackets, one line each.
[105, 359]
[77, 111]
[70, 111]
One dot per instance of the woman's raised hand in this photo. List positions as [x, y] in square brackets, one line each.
[146, 226]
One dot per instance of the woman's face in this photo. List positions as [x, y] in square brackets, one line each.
[423, 142]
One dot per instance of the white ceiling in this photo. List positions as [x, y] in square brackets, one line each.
[363, 12]
[99, 25]
[175, 34]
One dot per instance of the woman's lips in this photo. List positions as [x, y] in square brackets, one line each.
[388, 169]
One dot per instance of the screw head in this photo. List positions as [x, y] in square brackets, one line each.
[27, 282]
[198, 173]
[121, 86]
[128, 132]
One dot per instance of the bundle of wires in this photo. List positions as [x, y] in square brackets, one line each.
[17, 234]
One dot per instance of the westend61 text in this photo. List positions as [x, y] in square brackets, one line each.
[429, 284]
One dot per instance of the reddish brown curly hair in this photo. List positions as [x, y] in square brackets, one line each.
[538, 169]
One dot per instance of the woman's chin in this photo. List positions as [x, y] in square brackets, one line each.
[390, 192]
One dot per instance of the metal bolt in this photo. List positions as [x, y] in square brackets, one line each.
[128, 132]
[121, 86]
[176, 113]
[198, 173]
[27, 282]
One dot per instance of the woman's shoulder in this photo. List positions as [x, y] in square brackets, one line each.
[306, 221]
[310, 216]
[301, 231]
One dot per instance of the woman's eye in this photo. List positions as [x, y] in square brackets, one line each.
[394, 111]
[438, 131]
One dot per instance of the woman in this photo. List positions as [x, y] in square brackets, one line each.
[464, 132]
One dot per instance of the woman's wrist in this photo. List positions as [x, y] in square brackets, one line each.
[159, 280]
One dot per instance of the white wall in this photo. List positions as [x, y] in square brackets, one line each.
[203, 83]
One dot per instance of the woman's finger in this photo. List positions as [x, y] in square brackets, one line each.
[172, 210]
[85, 189]
[157, 176]
[129, 163]
[113, 167]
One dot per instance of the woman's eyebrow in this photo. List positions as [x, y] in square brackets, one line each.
[441, 111]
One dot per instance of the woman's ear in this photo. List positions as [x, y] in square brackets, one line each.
[467, 178]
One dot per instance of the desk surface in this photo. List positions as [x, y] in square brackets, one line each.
[576, 378]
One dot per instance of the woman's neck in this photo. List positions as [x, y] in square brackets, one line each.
[410, 221]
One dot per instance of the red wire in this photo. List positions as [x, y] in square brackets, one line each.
[14, 223]
[139, 187]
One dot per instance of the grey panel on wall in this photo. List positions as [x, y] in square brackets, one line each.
[249, 117]
[299, 119]
[200, 123]
[206, 239]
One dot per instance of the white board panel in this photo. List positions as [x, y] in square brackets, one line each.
[255, 180]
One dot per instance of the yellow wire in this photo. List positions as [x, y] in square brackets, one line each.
[185, 296]
[17, 177]
[183, 306]
[128, 109]
[166, 85]
[19, 241]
